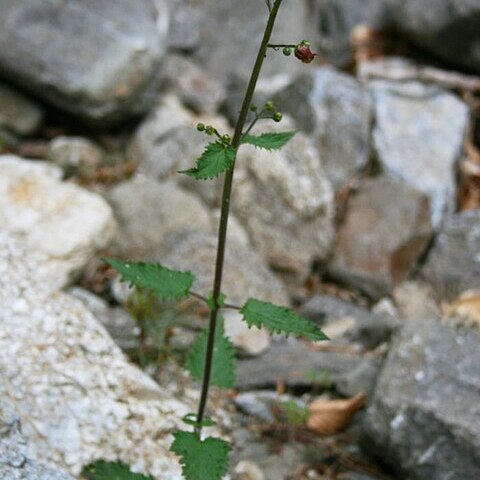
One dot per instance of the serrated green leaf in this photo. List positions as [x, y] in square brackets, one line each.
[279, 320]
[223, 368]
[102, 470]
[162, 282]
[216, 158]
[269, 141]
[201, 460]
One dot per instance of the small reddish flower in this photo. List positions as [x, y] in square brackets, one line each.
[303, 52]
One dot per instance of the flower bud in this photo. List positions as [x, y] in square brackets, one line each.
[287, 51]
[209, 130]
[269, 106]
[253, 108]
[303, 53]
[226, 138]
[201, 127]
[277, 117]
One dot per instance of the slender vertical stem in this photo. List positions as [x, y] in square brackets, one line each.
[225, 210]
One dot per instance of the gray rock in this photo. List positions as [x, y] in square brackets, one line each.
[75, 153]
[19, 114]
[336, 19]
[119, 324]
[15, 463]
[192, 85]
[186, 17]
[385, 231]
[80, 398]
[245, 273]
[179, 150]
[231, 33]
[261, 404]
[113, 73]
[425, 417]
[362, 378]
[148, 212]
[416, 299]
[448, 28]
[335, 109]
[366, 328]
[63, 222]
[292, 362]
[285, 203]
[453, 264]
[419, 137]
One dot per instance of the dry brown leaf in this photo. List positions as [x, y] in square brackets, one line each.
[328, 417]
[466, 306]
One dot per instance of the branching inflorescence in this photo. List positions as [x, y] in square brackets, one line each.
[211, 359]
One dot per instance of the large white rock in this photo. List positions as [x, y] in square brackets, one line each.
[63, 222]
[78, 397]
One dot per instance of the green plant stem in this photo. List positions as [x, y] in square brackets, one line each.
[225, 210]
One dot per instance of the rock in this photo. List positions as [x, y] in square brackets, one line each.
[453, 264]
[167, 142]
[66, 224]
[335, 109]
[246, 470]
[179, 150]
[231, 34]
[74, 153]
[366, 328]
[185, 19]
[168, 113]
[424, 418]
[245, 273]
[285, 203]
[192, 85]
[448, 30]
[111, 77]
[336, 19]
[15, 463]
[264, 405]
[416, 299]
[419, 137]
[148, 212]
[250, 341]
[19, 114]
[362, 378]
[386, 230]
[292, 362]
[118, 322]
[78, 397]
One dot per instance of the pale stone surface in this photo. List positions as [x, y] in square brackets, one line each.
[250, 341]
[61, 221]
[15, 462]
[245, 273]
[285, 202]
[98, 60]
[231, 33]
[192, 84]
[424, 420]
[453, 264]
[419, 137]
[416, 299]
[74, 152]
[78, 397]
[386, 229]
[148, 212]
[335, 109]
